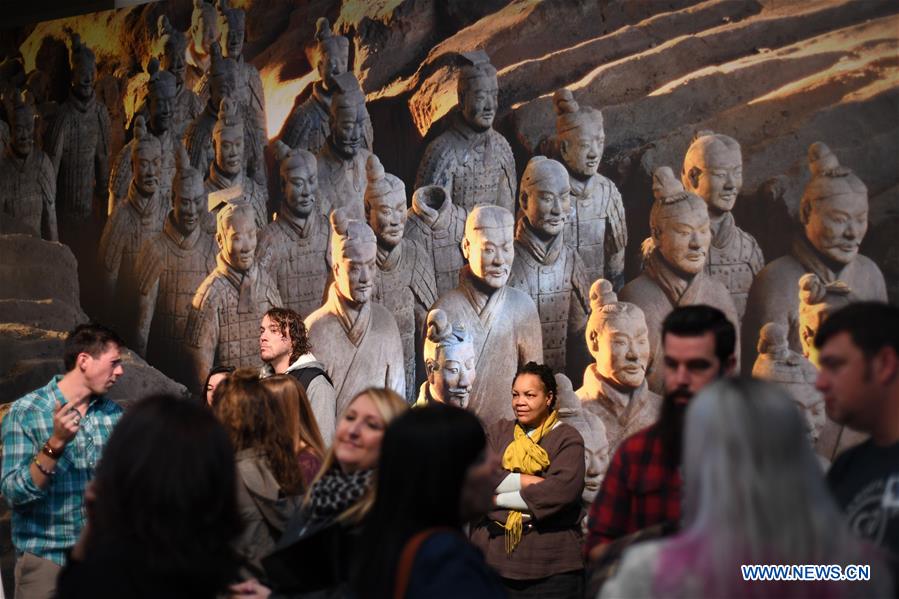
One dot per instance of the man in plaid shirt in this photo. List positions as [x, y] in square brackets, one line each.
[53, 438]
[642, 487]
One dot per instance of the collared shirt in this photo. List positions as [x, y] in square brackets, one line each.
[640, 490]
[48, 521]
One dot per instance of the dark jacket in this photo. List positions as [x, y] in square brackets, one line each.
[447, 566]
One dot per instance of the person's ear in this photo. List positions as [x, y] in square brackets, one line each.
[730, 365]
[885, 366]
[594, 343]
[466, 248]
[693, 177]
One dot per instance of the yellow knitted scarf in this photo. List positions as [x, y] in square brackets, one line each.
[524, 455]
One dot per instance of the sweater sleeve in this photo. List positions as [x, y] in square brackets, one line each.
[563, 482]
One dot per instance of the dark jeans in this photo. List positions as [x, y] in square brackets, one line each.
[568, 585]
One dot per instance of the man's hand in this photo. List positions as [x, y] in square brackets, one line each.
[66, 422]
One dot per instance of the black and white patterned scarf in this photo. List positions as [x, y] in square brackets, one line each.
[336, 491]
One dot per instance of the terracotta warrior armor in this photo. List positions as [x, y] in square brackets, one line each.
[170, 267]
[674, 270]
[438, 226]
[503, 321]
[471, 159]
[356, 339]
[185, 106]
[713, 170]
[405, 282]
[545, 267]
[27, 178]
[834, 217]
[596, 224]
[223, 321]
[294, 248]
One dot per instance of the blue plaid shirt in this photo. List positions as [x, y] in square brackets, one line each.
[47, 522]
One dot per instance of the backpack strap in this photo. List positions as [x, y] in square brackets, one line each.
[309, 374]
[407, 559]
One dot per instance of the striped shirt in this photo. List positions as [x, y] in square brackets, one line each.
[48, 521]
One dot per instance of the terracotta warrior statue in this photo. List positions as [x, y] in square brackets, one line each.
[834, 217]
[227, 169]
[503, 321]
[674, 269]
[615, 386]
[136, 219]
[342, 160]
[449, 363]
[224, 316]
[27, 178]
[161, 89]
[294, 247]
[545, 267]
[713, 170]
[596, 224]
[203, 32]
[471, 159]
[78, 145]
[777, 363]
[405, 283]
[817, 301]
[438, 225]
[356, 339]
[597, 450]
[307, 126]
[186, 106]
[170, 267]
[222, 84]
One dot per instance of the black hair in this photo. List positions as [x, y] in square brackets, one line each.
[425, 456]
[166, 493]
[546, 376]
[696, 321]
[871, 325]
[91, 339]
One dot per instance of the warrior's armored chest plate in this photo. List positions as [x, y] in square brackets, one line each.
[21, 194]
[238, 343]
[298, 265]
[182, 273]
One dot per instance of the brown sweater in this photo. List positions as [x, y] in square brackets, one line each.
[553, 544]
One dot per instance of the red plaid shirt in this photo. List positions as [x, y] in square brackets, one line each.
[639, 490]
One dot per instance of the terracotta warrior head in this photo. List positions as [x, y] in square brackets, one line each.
[773, 341]
[146, 158]
[233, 29]
[545, 196]
[84, 67]
[174, 44]
[449, 360]
[679, 224]
[332, 54]
[477, 90]
[227, 138]
[617, 337]
[817, 301]
[580, 132]
[204, 27]
[235, 233]
[299, 179]
[222, 76]
[834, 207]
[161, 90]
[23, 115]
[489, 244]
[385, 204]
[189, 194]
[354, 251]
[713, 170]
[349, 117]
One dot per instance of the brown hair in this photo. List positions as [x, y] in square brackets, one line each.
[299, 418]
[255, 419]
[291, 324]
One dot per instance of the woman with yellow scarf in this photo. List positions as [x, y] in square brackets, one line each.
[532, 537]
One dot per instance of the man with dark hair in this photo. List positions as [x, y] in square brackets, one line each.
[642, 487]
[285, 349]
[53, 438]
[859, 378]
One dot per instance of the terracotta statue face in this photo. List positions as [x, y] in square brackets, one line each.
[22, 142]
[300, 189]
[582, 149]
[204, 30]
[545, 204]
[815, 418]
[233, 37]
[387, 218]
[621, 350]
[330, 66]
[354, 272]
[490, 252]
[229, 150]
[348, 131]
[685, 236]
[837, 224]
[478, 102]
[83, 76]
[147, 168]
[174, 63]
[186, 212]
[162, 108]
[238, 240]
[451, 373]
[718, 181]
